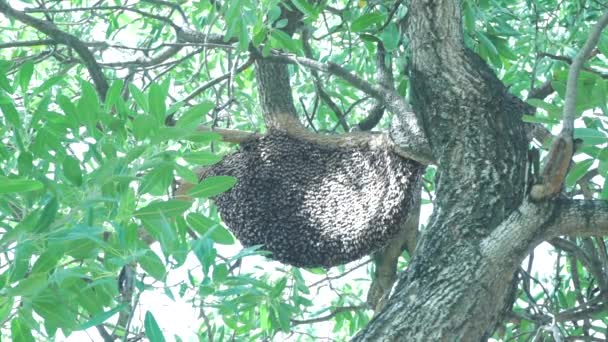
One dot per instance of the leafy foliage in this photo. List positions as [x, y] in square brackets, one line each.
[87, 179]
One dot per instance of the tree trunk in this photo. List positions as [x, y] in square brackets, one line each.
[451, 291]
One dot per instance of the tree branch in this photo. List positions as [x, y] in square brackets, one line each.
[232, 135]
[417, 145]
[384, 74]
[533, 223]
[562, 149]
[333, 313]
[575, 68]
[49, 28]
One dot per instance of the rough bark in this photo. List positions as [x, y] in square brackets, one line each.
[450, 291]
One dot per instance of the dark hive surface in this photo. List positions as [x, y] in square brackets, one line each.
[313, 205]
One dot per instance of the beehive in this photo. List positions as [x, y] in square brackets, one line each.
[313, 204]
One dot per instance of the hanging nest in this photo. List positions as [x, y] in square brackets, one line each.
[314, 204]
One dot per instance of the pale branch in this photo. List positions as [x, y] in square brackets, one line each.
[147, 62]
[51, 30]
[580, 217]
[575, 68]
[415, 144]
[191, 36]
[534, 222]
[569, 61]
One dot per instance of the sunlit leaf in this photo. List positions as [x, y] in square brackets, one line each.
[14, 185]
[25, 74]
[201, 158]
[212, 186]
[578, 171]
[152, 329]
[367, 21]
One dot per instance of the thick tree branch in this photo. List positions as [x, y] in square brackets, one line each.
[417, 146]
[49, 28]
[27, 43]
[533, 223]
[384, 74]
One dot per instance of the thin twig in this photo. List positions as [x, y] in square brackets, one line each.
[333, 313]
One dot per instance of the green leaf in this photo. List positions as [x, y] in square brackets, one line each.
[469, 17]
[201, 158]
[212, 186]
[6, 306]
[152, 329]
[590, 136]
[153, 265]
[220, 273]
[11, 113]
[487, 43]
[25, 74]
[170, 208]
[100, 318]
[5, 83]
[204, 137]
[200, 223]
[113, 94]
[48, 84]
[156, 100]
[305, 7]
[139, 97]
[20, 332]
[69, 109]
[366, 21]
[264, 317]
[281, 23]
[71, 170]
[539, 119]
[88, 104]
[578, 171]
[48, 215]
[143, 127]
[157, 180]
[14, 185]
[280, 39]
[30, 286]
[390, 37]
[25, 163]
[192, 117]
[209, 228]
[47, 260]
[551, 109]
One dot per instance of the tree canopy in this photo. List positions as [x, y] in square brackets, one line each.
[112, 111]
